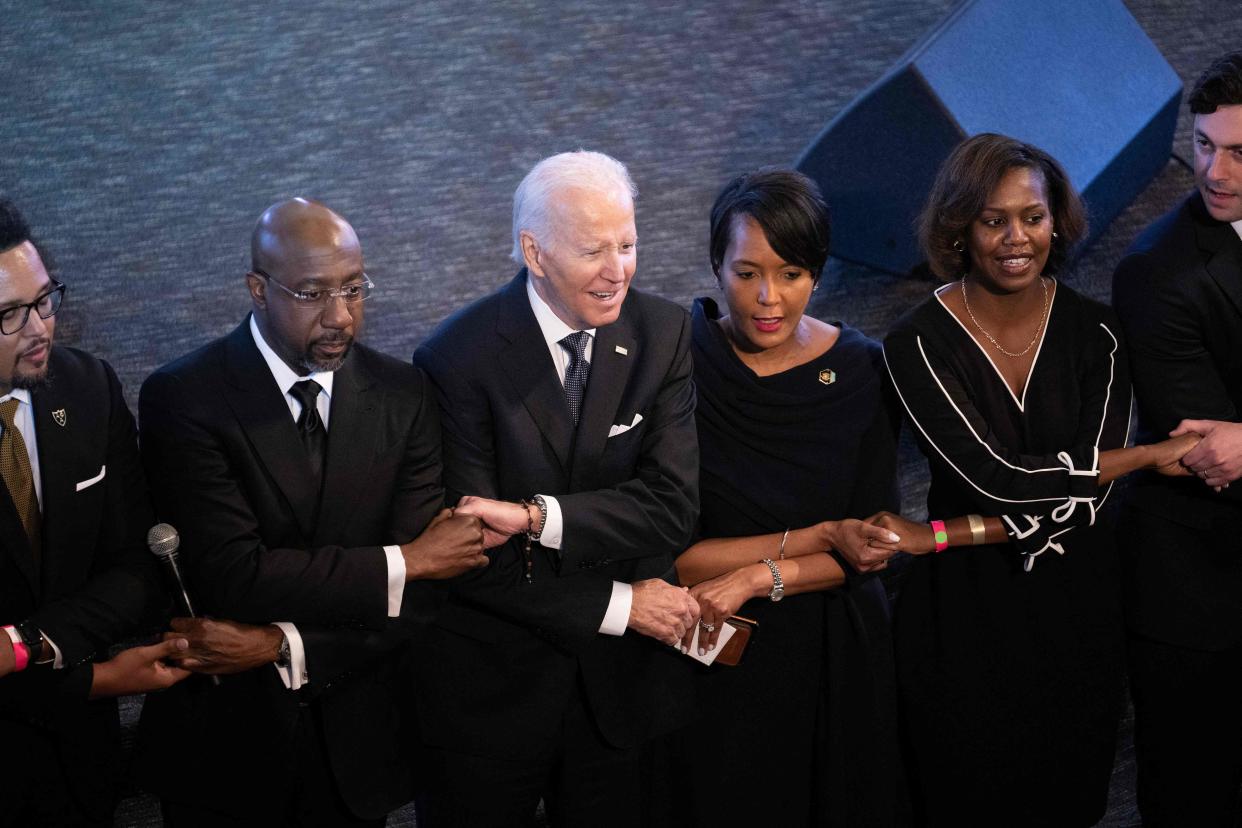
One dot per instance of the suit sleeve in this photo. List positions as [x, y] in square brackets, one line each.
[122, 589]
[564, 611]
[1175, 375]
[332, 653]
[1039, 497]
[195, 479]
[656, 510]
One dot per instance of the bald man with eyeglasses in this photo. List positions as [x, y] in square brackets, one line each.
[303, 472]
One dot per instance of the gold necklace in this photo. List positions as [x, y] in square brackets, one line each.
[1038, 330]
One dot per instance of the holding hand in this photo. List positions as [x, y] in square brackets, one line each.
[866, 545]
[662, 611]
[139, 670]
[451, 544]
[224, 647]
[915, 538]
[720, 597]
[1217, 458]
[501, 519]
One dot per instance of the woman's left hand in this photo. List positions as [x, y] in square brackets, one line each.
[916, 538]
[719, 598]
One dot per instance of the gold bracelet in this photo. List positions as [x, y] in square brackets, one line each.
[784, 538]
[977, 530]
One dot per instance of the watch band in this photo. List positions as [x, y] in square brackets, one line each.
[283, 654]
[778, 586]
[32, 637]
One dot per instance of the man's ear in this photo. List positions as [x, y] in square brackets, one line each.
[257, 286]
[531, 252]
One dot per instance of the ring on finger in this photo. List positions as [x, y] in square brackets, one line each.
[707, 626]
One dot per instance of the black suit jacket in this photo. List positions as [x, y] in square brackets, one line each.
[259, 545]
[499, 665]
[1178, 293]
[93, 581]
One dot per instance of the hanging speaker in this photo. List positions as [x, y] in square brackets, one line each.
[1080, 80]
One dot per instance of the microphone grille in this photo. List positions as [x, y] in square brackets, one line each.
[163, 540]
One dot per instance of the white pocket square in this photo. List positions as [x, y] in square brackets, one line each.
[621, 429]
[85, 484]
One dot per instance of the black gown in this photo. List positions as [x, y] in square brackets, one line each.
[1009, 656]
[803, 732]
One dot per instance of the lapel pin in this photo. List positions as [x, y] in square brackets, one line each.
[623, 351]
[60, 417]
[827, 376]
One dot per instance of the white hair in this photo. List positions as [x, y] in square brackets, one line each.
[533, 199]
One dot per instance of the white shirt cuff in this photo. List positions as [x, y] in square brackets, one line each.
[617, 617]
[396, 579]
[554, 526]
[58, 660]
[294, 676]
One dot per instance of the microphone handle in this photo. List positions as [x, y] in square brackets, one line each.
[174, 572]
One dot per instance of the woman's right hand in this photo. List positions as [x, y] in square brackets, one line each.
[916, 538]
[1167, 454]
[865, 545]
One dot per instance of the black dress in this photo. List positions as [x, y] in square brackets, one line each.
[1009, 656]
[812, 703]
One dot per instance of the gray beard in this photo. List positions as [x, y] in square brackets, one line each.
[314, 366]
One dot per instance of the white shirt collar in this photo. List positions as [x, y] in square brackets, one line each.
[285, 376]
[554, 330]
[1237, 227]
[19, 394]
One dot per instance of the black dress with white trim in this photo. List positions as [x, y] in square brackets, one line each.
[1010, 658]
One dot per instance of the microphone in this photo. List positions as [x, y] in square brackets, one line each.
[164, 542]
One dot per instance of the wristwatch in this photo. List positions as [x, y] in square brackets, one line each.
[778, 586]
[283, 654]
[32, 637]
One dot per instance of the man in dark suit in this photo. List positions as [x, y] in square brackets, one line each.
[572, 393]
[303, 472]
[75, 575]
[1179, 295]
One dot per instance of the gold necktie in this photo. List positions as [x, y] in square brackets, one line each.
[15, 469]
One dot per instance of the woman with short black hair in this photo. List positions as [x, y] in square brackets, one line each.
[796, 443]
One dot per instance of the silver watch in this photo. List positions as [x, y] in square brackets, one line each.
[778, 586]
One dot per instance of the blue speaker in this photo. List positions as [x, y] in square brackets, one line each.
[1077, 78]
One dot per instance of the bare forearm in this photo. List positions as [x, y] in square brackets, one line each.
[1116, 463]
[810, 573]
[715, 556]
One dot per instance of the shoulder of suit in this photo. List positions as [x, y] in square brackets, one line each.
[78, 368]
[205, 357]
[658, 308]
[1170, 237]
[385, 369]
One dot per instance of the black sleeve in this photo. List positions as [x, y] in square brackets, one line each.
[1040, 497]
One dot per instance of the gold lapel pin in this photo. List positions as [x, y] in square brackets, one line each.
[623, 351]
[60, 417]
[827, 376]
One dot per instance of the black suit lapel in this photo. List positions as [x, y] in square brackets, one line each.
[260, 408]
[528, 365]
[352, 434]
[53, 405]
[1222, 251]
[612, 359]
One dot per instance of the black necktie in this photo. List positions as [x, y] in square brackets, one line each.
[577, 372]
[310, 427]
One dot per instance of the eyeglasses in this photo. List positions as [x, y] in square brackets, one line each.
[15, 317]
[350, 294]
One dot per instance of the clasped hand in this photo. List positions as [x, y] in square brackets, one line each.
[1217, 458]
[220, 647]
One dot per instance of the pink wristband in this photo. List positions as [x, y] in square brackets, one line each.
[942, 535]
[21, 656]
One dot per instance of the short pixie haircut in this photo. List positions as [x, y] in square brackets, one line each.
[966, 179]
[789, 208]
[1220, 85]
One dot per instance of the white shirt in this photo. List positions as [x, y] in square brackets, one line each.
[617, 616]
[1237, 227]
[295, 676]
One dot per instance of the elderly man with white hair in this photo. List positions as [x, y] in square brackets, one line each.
[568, 425]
